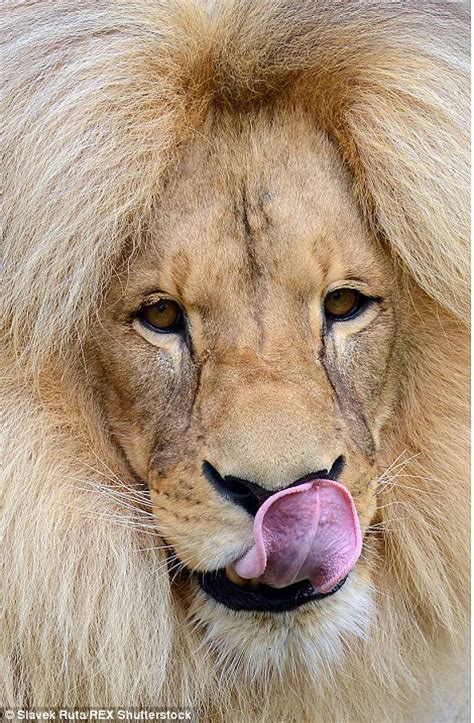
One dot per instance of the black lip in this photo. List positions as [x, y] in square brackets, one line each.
[217, 585]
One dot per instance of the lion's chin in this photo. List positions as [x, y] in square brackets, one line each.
[260, 643]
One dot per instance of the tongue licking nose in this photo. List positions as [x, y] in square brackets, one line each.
[308, 532]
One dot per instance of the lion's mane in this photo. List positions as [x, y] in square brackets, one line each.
[99, 98]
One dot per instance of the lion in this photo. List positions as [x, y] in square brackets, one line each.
[235, 358]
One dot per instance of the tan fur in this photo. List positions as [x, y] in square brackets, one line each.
[131, 130]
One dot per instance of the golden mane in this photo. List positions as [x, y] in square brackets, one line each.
[99, 100]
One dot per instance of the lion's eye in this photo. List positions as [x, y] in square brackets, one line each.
[342, 304]
[165, 316]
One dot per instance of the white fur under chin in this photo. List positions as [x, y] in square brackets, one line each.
[308, 640]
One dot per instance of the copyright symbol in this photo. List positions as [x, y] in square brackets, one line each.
[9, 714]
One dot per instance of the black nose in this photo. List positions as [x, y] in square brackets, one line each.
[250, 495]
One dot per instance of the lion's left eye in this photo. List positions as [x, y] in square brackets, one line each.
[343, 304]
[165, 316]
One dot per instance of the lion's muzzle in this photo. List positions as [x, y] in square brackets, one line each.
[307, 538]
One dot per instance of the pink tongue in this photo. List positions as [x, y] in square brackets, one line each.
[309, 532]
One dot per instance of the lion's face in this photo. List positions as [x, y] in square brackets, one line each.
[232, 365]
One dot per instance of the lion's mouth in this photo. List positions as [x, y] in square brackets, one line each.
[306, 540]
[263, 598]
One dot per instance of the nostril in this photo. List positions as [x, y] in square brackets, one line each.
[333, 474]
[232, 488]
[337, 469]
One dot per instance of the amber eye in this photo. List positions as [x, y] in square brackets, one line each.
[342, 304]
[165, 316]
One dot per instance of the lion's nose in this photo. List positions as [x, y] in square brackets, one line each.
[251, 495]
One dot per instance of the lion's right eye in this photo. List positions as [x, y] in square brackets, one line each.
[164, 316]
